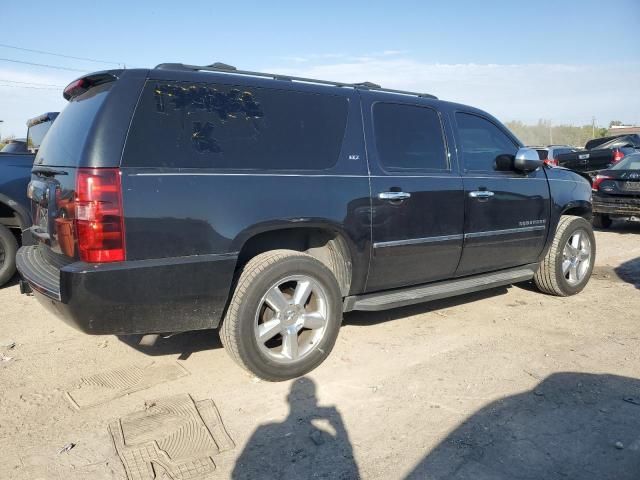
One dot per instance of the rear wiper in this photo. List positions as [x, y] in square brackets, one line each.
[48, 171]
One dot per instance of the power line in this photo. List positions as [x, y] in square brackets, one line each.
[87, 59]
[26, 86]
[31, 83]
[42, 65]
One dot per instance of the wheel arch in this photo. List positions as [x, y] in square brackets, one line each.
[578, 208]
[324, 241]
[17, 212]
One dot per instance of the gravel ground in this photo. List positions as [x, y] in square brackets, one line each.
[504, 384]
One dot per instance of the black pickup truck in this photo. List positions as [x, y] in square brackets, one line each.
[185, 197]
[601, 155]
[15, 210]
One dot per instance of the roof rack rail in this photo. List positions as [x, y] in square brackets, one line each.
[224, 68]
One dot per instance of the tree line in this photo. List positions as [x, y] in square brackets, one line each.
[545, 133]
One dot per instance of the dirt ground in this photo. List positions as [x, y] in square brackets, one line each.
[507, 384]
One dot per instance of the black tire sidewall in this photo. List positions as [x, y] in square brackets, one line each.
[577, 223]
[601, 220]
[248, 347]
[10, 246]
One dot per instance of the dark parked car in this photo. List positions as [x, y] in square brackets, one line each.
[15, 145]
[15, 173]
[601, 156]
[616, 192]
[550, 153]
[183, 198]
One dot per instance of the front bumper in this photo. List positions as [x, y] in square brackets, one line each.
[616, 205]
[133, 297]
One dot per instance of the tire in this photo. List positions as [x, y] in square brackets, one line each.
[250, 310]
[8, 250]
[550, 277]
[601, 220]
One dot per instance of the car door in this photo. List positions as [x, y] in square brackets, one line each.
[417, 198]
[506, 212]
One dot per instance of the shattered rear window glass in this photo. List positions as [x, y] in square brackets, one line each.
[198, 125]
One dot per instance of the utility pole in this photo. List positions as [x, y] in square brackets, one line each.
[1, 122]
[550, 133]
[593, 127]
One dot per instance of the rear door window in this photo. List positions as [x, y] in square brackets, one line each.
[65, 140]
[409, 138]
[481, 142]
[204, 125]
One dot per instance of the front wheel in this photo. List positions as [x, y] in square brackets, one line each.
[567, 267]
[284, 317]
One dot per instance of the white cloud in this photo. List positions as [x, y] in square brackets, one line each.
[560, 92]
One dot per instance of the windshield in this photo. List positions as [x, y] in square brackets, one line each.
[631, 162]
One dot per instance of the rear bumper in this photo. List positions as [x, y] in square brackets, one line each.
[142, 296]
[610, 205]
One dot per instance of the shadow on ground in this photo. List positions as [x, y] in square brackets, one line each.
[311, 442]
[190, 342]
[183, 343]
[11, 282]
[629, 272]
[572, 425]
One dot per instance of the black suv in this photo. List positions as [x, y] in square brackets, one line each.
[184, 197]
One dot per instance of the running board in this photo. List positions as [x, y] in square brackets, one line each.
[434, 291]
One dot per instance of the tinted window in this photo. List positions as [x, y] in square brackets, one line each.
[409, 137]
[542, 154]
[65, 140]
[233, 127]
[36, 134]
[481, 142]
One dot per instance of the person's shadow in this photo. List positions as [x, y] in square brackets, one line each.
[311, 442]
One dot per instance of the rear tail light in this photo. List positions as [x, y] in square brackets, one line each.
[552, 162]
[617, 155]
[99, 216]
[595, 186]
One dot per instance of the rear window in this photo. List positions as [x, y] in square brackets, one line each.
[65, 140]
[542, 153]
[185, 125]
[15, 147]
[631, 162]
[36, 135]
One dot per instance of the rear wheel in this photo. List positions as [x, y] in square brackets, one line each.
[601, 220]
[8, 249]
[568, 264]
[284, 317]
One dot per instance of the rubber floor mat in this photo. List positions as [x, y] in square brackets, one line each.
[106, 386]
[175, 438]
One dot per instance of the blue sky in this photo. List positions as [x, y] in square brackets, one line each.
[563, 61]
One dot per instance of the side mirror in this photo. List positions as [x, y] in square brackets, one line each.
[527, 160]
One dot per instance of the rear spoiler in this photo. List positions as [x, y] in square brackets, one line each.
[82, 84]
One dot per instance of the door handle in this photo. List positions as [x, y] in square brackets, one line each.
[481, 194]
[394, 196]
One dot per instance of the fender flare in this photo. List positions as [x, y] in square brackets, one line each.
[24, 217]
